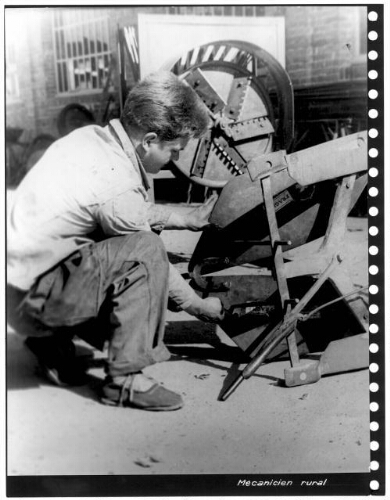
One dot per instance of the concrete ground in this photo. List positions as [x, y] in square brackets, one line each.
[262, 428]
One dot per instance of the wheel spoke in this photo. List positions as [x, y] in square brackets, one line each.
[236, 99]
[205, 90]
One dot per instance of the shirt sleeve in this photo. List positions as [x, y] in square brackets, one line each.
[180, 291]
[129, 211]
[158, 216]
[126, 212]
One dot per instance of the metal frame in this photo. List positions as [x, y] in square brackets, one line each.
[325, 265]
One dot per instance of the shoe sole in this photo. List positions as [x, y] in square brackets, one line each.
[109, 402]
[52, 375]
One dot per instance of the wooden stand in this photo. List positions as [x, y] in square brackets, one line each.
[342, 355]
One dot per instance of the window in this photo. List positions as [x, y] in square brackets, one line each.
[12, 81]
[13, 48]
[82, 52]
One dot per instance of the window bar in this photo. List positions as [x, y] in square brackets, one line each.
[103, 69]
[85, 39]
[95, 49]
[91, 44]
[54, 35]
[65, 76]
[62, 45]
[74, 45]
[68, 45]
[94, 73]
[84, 63]
[78, 55]
[100, 41]
[107, 70]
[107, 63]
[60, 77]
[91, 55]
[56, 44]
[74, 57]
[87, 59]
[71, 65]
[107, 34]
[77, 32]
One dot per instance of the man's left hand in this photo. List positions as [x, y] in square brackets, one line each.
[198, 219]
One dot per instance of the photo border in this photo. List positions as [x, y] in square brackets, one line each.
[342, 484]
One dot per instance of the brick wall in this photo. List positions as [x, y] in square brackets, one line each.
[320, 48]
[321, 43]
[320, 40]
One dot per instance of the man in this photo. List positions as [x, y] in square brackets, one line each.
[83, 254]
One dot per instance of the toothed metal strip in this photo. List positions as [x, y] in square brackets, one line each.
[235, 161]
[254, 127]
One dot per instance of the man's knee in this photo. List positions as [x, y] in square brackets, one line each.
[147, 246]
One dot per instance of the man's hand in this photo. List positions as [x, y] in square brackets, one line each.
[209, 309]
[198, 219]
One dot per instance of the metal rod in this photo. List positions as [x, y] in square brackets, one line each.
[283, 329]
[232, 388]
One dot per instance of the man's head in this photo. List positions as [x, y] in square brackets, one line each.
[161, 114]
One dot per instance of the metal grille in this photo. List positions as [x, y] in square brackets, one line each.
[81, 41]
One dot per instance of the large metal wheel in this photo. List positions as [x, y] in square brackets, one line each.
[250, 99]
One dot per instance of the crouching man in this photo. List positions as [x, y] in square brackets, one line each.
[84, 255]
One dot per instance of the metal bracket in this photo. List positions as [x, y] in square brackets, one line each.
[265, 165]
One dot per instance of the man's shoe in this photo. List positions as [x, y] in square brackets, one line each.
[139, 391]
[57, 359]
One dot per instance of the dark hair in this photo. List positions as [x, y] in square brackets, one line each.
[166, 105]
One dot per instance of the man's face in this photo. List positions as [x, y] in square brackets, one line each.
[158, 153]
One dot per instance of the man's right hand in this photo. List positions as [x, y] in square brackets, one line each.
[209, 309]
[195, 220]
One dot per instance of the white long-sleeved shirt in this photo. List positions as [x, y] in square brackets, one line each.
[87, 180]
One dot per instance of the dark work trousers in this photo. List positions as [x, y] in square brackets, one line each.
[115, 290]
